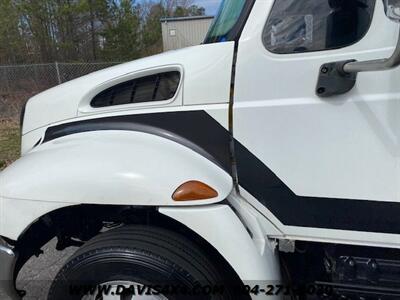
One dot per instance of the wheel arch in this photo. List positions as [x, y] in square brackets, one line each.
[221, 227]
[58, 224]
[111, 167]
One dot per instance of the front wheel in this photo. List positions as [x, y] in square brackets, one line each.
[141, 262]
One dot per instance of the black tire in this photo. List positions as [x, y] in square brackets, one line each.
[146, 255]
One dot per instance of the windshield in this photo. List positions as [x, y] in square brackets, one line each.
[225, 26]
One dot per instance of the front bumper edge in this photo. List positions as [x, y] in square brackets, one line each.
[7, 266]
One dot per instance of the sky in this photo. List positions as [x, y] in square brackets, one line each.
[211, 6]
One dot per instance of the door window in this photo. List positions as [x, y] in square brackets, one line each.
[309, 25]
[229, 21]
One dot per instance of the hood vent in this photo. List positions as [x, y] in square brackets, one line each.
[157, 87]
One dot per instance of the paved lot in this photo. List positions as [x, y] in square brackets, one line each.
[36, 276]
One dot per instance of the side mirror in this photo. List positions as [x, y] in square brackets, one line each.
[337, 78]
[392, 10]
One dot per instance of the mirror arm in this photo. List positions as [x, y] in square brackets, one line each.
[337, 78]
[375, 65]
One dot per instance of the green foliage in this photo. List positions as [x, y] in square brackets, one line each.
[192, 10]
[12, 44]
[123, 33]
[152, 36]
[33, 31]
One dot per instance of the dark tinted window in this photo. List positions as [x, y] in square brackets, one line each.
[311, 25]
[156, 87]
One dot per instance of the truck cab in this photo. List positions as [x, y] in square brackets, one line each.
[263, 163]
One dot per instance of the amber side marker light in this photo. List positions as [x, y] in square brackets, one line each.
[194, 190]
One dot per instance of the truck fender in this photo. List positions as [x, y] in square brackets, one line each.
[222, 228]
[108, 168]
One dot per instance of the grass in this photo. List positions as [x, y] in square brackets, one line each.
[9, 142]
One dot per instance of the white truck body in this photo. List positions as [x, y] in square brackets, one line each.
[305, 168]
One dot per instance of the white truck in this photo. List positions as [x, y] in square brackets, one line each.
[267, 158]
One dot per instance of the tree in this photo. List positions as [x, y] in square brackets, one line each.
[98, 16]
[122, 36]
[152, 35]
[84, 30]
[12, 45]
[195, 10]
[37, 20]
[192, 10]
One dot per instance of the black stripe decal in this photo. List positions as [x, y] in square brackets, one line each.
[200, 132]
[329, 213]
[194, 129]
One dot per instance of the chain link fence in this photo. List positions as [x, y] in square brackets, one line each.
[20, 82]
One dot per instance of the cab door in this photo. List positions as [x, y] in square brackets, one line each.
[331, 163]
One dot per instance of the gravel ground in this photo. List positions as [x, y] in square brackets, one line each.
[36, 276]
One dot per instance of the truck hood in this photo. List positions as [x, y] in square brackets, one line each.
[206, 77]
